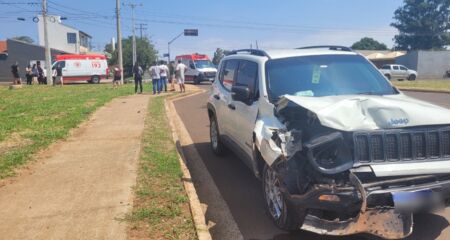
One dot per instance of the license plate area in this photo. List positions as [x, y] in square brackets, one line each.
[416, 201]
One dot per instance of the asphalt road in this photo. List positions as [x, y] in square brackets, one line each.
[243, 192]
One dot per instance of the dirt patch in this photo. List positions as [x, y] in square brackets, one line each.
[13, 142]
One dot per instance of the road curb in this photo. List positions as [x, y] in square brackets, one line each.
[217, 208]
[424, 90]
[194, 202]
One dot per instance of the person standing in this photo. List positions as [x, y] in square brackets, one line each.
[35, 74]
[28, 74]
[137, 71]
[172, 75]
[180, 70]
[155, 74]
[163, 74]
[41, 75]
[15, 73]
[117, 76]
[58, 75]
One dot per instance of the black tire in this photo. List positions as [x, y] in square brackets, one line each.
[388, 76]
[196, 81]
[95, 79]
[412, 77]
[286, 218]
[216, 143]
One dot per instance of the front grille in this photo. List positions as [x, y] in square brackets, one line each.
[210, 74]
[401, 145]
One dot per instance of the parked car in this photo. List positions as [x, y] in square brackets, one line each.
[338, 149]
[83, 67]
[200, 68]
[400, 72]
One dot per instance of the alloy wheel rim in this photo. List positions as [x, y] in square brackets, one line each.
[273, 194]
[214, 140]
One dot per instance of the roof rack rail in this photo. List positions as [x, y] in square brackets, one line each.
[255, 52]
[330, 47]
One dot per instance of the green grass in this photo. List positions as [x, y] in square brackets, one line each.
[161, 208]
[33, 117]
[441, 85]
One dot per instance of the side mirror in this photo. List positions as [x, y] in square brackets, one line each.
[192, 66]
[241, 93]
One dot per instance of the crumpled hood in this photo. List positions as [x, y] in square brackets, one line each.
[364, 112]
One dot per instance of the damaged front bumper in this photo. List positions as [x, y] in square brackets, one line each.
[370, 205]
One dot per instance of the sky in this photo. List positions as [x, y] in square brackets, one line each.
[230, 24]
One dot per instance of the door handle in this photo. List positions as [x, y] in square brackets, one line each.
[231, 106]
[216, 97]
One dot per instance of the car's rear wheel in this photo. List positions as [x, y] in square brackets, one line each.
[216, 143]
[95, 79]
[284, 216]
[412, 77]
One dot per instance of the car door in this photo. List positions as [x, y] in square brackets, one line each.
[245, 113]
[222, 97]
[403, 72]
[396, 71]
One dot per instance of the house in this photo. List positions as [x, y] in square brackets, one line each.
[380, 58]
[24, 53]
[63, 37]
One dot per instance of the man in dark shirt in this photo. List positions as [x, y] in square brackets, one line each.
[15, 73]
[58, 75]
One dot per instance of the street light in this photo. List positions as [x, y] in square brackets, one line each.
[186, 32]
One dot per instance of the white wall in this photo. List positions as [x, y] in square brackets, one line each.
[57, 34]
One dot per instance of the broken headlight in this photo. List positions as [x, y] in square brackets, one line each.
[329, 154]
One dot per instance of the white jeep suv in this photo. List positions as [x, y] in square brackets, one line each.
[339, 150]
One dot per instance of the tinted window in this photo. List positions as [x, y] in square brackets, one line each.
[326, 75]
[229, 73]
[387, 67]
[403, 68]
[247, 75]
[395, 67]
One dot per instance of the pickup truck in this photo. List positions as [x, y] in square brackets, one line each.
[400, 72]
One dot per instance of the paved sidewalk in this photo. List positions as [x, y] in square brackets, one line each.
[84, 184]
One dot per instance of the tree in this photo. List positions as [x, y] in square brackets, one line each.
[24, 39]
[422, 25]
[218, 55]
[369, 44]
[146, 54]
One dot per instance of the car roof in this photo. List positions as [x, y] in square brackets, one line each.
[287, 53]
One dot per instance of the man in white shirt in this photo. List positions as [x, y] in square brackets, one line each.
[164, 73]
[179, 71]
[156, 78]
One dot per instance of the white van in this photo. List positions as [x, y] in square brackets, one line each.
[83, 67]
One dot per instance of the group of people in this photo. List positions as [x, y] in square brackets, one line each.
[35, 74]
[161, 74]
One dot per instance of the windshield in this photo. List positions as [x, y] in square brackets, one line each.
[324, 75]
[203, 64]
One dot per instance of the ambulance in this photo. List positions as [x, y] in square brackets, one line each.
[83, 67]
[199, 68]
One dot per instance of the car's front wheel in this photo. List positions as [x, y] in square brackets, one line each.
[412, 77]
[284, 216]
[216, 143]
[388, 76]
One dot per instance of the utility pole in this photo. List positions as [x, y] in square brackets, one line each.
[133, 6]
[142, 26]
[119, 40]
[48, 63]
